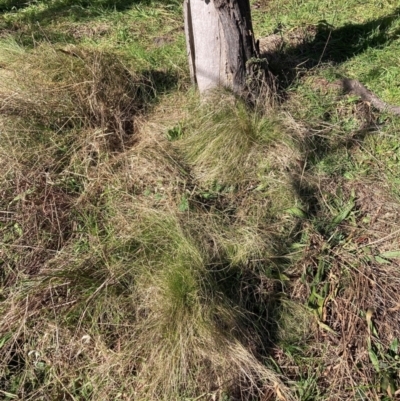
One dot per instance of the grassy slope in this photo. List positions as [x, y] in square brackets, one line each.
[153, 247]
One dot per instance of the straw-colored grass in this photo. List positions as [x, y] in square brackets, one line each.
[154, 246]
[113, 267]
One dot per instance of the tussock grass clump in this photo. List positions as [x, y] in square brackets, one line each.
[108, 273]
[176, 302]
[193, 329]
[71, 87]
[144, 302]
[225, 140]
[242, 162]
[63, 114]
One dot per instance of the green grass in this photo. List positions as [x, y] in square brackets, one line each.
[157, 247]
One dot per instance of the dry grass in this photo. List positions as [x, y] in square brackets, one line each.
[155, 247]
[105, 273]
[348, 277]
[73, 88]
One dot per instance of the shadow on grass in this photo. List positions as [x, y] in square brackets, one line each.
[81, 9]
[57, 6]
[332, 45]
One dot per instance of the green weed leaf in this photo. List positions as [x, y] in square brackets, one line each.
[325, 327]
[297, 212]
[184, 204]
[390, 254]
[344, 214]
[374, 360]
[4, 340]
[381, 260]
[394, 346]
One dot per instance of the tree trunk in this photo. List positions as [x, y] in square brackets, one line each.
[221, 46]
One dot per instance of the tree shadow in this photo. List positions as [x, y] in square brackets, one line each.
[334, 46]
[329, 45]
[70, 6]
[288, 62]
[76, 10]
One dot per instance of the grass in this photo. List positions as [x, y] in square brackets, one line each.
[156, 247]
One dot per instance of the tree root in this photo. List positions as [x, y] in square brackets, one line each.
[357, 88]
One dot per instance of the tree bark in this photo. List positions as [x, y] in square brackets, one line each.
[221, 46]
